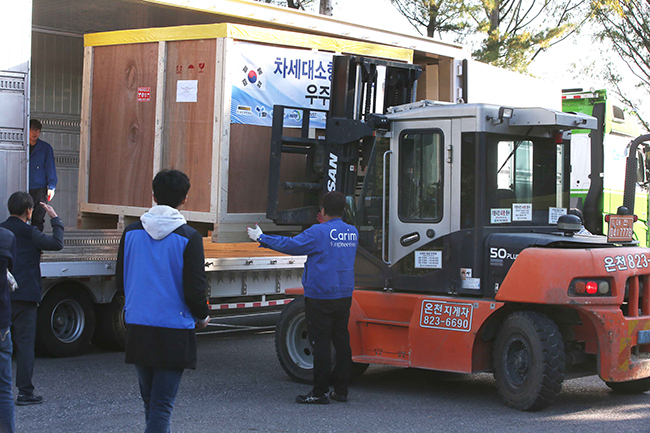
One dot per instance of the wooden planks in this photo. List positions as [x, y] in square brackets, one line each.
[248, 169]
[241, 249]
[122, 133]
[188, 126]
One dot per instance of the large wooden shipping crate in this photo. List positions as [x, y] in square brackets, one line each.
[163, 98]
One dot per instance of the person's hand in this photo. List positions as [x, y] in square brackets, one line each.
[50, 194]
[50, 210]
[254, 233]
[199, 325]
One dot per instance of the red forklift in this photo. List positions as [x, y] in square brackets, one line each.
[468, 258]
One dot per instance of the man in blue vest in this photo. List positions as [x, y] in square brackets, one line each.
[161, 268]
[328, 280]
[42, 172]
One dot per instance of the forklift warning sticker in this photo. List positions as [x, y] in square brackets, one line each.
[500, 216]
[453, 316]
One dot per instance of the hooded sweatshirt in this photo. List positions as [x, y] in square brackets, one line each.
[161, 268]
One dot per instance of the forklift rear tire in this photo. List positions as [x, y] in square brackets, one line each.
[529, 361]
[630, 387]
[292, 344]
[65, 322]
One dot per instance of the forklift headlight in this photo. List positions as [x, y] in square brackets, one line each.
[505, 113]
[590, 287]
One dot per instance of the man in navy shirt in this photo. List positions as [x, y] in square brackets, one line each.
[42, 172]
[328, 280]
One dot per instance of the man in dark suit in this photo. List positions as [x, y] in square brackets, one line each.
[30, 241]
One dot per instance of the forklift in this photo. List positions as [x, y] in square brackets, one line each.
[468, 258]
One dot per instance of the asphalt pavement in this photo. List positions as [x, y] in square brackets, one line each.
[239, 386]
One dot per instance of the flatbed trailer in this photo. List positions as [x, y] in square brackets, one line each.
[81, 302]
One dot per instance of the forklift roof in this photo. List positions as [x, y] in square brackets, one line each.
[488, 116]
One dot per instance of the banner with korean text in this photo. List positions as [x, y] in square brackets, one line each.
[264, 76]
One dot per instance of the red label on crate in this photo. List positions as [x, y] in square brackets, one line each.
[144, 93]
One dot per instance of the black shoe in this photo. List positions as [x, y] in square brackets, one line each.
[24, 400]
[338, 397]
[312, 399]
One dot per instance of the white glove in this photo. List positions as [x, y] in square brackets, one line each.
[50, 194]
[254, 233]
[13, 285]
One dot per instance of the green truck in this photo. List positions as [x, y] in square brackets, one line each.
[598, 161]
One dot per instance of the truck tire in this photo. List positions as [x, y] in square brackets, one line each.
[292, 344]
[529, 361]
[110, 332]
[630, 387]
[65, 322]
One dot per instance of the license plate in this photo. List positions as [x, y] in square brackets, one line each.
[620, 228]
[453, 316]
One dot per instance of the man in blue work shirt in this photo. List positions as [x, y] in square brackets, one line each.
[328, 280]
[42, 172]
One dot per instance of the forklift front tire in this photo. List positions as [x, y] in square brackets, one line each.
[292, 344]
[293, 348]
[529, 361]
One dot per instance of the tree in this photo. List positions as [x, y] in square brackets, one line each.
[325, 5]
[508, 33]
[439, 17]
[625, 25]
[516, 31]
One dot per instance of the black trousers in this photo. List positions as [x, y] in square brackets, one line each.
[327, 324]
[23, 334]
[38, 217]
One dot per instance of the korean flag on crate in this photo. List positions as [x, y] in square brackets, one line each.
[263, 76]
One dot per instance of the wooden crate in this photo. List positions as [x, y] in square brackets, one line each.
[133, 125]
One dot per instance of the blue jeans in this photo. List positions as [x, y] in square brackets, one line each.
[158, 388]
[6, 397]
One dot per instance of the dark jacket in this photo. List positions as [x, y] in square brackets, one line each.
[42, 171]
[30, 241]
[7, 254]
[161, 268]
[330, 248]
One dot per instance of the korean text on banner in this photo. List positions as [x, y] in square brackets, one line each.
[264, 76]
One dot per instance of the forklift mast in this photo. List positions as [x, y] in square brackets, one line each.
[359, 86]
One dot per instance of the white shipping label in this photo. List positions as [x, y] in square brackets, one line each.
[522, 212]
[500, 216]
[554, 213]
[187, 90]
[428, 259]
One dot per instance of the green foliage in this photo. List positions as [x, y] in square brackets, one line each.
[625, 25]
[511, 33]
[516, 31]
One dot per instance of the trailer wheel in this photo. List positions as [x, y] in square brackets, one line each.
[65, 322]
[529, 361]
[292, 344]
[110, 332]
[630, 387]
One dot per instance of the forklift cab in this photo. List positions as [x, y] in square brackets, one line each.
[444, 180]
